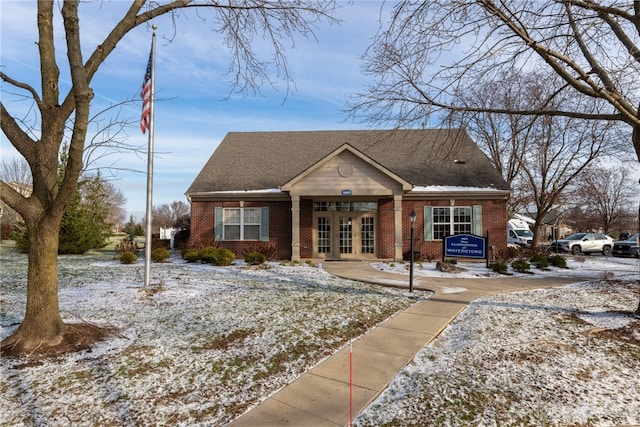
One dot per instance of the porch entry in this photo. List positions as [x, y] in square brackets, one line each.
[343, 230]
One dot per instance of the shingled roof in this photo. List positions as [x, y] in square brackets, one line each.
[246, 161]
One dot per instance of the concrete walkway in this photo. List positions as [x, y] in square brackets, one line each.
[320, 397]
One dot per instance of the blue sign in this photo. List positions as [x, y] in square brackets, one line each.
[465, 245]
[346, 192]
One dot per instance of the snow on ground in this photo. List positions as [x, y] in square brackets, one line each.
[581, 267]
[200, 346]
[206, 343]
[554, 357]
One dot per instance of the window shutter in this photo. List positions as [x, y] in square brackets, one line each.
[428, 223]
[477, 220]
[217, 221]
[264, 223]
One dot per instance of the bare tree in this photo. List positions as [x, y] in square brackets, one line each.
[431, 50]
[116, 200]
[39, 140]
[606, 193]
[168, 215]
[15, 172]
[540, 157]
[558, 151]
[501, 136]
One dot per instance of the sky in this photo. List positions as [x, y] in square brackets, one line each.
[195, 108]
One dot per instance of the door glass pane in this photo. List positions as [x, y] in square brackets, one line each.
[324, 235]
[367, 236]
[346, 244]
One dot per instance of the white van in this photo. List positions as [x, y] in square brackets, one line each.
[519, 233]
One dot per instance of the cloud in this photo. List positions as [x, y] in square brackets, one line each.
[195, 106]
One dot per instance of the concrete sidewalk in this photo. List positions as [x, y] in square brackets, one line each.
[320, 397]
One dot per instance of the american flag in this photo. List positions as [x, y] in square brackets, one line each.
[145, 94]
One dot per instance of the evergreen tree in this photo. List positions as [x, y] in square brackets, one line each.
[76, 233]
[130, 228]
[84, 223]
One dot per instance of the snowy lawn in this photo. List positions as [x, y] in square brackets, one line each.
[207, 343]
[201, 347]
[549, 357]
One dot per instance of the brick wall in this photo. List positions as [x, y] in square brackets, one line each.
[202, 226]
[493, 220]
[202, 221]
[386, 227]
[306, 228]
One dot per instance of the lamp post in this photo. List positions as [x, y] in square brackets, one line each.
[412, 219]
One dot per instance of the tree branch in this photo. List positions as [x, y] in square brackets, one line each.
[19, 138]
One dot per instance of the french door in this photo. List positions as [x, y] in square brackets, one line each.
[344, 235]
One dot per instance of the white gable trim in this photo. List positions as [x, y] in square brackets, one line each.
[406, 186]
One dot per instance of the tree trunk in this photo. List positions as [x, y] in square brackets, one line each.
[635, 138]
[42, 326]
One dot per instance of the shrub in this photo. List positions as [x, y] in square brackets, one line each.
[128, 258]
[512, 252]
[181, 238]
[126, 245]
[255, 258]
[520, 265]
[207, 255]
[157, 242]
[217, 256]
[498, 267]
[191, 255]
[428, 257]
[6, 231]
[201, 243]
[267, 249]
[558, 261]
[224, 256]
[160, 255]
[540, 261]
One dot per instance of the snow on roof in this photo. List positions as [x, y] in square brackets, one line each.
[451, 189]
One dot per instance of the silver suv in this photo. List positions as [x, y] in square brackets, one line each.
[585, 243]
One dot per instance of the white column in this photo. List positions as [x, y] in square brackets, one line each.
[295, 227]
[397, 221]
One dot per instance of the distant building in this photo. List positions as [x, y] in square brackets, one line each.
[347, 194]
[555, 226]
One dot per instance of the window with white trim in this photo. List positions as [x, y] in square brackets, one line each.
[241, 224]
[442, 221]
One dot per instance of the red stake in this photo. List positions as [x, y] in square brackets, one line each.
[350, 384]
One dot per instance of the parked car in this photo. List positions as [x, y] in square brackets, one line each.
[629, 247]
[585, 243]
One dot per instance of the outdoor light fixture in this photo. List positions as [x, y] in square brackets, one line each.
[412, 219]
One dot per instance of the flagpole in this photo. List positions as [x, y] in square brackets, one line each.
[148, 230]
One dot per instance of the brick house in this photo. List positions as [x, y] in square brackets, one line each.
[347, 194]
